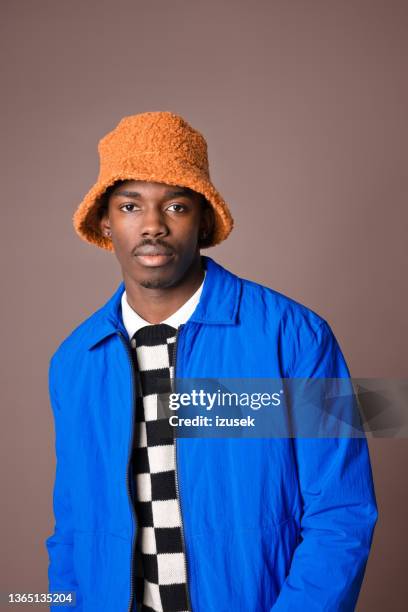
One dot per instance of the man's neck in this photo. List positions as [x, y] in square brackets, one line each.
[156, 305]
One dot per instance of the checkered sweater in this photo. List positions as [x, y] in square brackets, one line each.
[159, 569]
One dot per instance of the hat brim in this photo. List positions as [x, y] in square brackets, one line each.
[86, 220]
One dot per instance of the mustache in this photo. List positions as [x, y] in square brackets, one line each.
[159, 244]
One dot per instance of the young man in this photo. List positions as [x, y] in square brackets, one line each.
[146, 520]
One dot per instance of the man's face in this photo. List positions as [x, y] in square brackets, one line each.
[155, 230]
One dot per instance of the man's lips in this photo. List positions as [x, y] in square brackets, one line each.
[152, 250]
[153, 256]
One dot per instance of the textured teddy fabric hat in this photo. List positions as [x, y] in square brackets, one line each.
[156, 147]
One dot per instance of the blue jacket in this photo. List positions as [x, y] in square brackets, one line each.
[269, 524]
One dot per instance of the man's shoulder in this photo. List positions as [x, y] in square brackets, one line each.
[73, 344]
[278, 306]
[300, 331]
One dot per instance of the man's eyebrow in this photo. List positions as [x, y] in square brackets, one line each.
[169, 194]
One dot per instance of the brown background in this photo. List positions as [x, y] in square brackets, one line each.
[304, 106]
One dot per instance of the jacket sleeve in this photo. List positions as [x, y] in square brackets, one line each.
[339, 509]
[61, 573]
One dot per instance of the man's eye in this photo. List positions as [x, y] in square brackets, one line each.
[179, 205]
[125, 205]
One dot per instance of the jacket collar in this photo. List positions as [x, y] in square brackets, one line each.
[219, 303]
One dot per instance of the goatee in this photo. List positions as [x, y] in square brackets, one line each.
[157, 283]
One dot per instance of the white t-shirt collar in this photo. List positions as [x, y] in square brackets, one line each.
[133, 321]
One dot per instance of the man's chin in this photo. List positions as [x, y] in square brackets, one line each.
[156, 283]
[157, 279]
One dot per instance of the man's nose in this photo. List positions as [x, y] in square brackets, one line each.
[153, 223]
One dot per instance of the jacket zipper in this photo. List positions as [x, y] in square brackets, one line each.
[134, 522]
[176, 478]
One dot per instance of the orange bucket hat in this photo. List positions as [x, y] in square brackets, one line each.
[156, 147]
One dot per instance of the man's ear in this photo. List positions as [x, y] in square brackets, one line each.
[207, 220]
[104, 226]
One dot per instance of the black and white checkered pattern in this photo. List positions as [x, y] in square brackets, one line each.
[159, 560]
